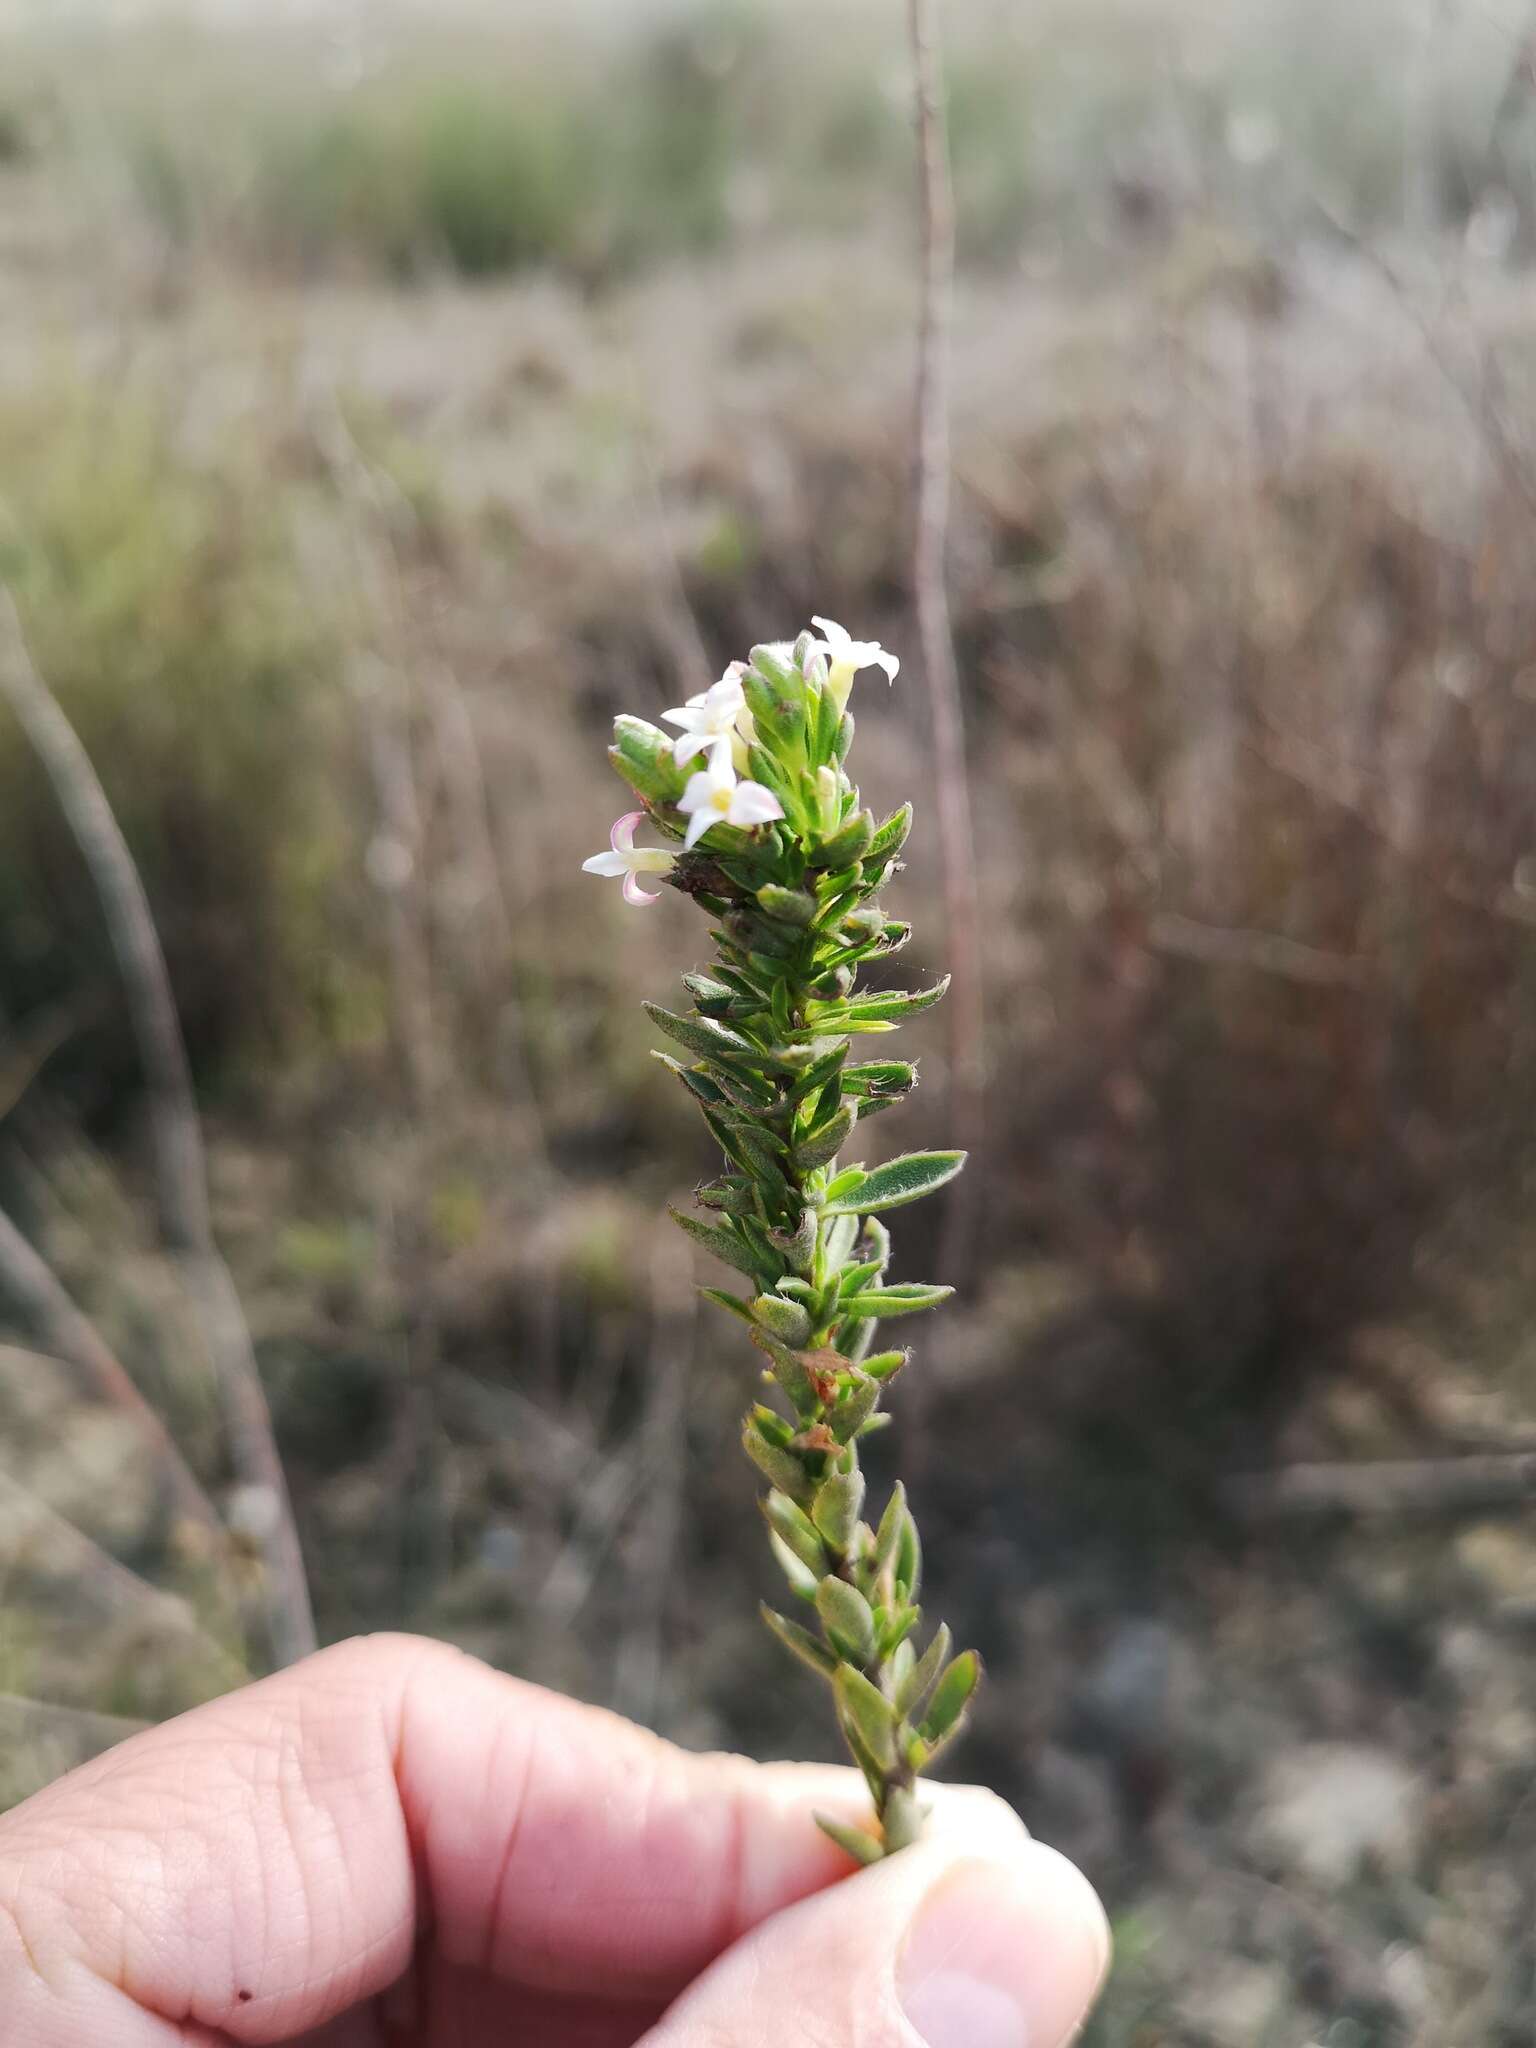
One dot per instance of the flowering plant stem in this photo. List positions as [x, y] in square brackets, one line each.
[790, 868]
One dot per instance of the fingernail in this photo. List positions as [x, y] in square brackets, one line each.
[1000, 1957]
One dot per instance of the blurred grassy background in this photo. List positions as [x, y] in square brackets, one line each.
[387, 400]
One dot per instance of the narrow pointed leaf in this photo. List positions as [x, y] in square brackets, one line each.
[897, 1182]
[924, 1675]
[801, 1642]
[895, 1005]
[789, 906]
[846, 1616]
[951, 1696]
[824, 1143]
[796, 1531]
[851, 1413]
[731, 1302]
[836, 1508]
[863, 1848]
[802, 1581]
[885, 1364]
[888, 1535]
[785, 1320]
[706, 1037]
[723, 1243]
[906, 1299]
[891, 836]
[865, 1708]
[780, 1468]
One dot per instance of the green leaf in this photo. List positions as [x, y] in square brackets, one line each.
[854, 1279]
[789, 1370]
[731, 1302]
[798, 1245]
[723, 1243]
[706, 1037]
[802, 1582]
[847, 1183]
[824, 1066]
[789, 906]
[841, 1233]
[899, 1667]
[885, 1364]
[642, 755]
[921, 1679]
[781, 1468]
[800, 1640]
[894, 1078]
[822, 725]
[708, 993]
[745, 1145]
[888, 1535]
[846, 1617]
[909, 1560]
[903, 1300]
[775, 692]
[863, 1848]
[891, 836]
[897, 1182]
[732, 1194]
[698, 1084]
[855, 1409]
[824, 1143]
[951, 1697]
[896, 1004]
[796, 1531]
[846, 845]
[864, 1708]
[786, 1320]
[836, 1508]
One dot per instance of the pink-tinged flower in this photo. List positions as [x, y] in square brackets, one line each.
[715, 714]
[715, 797]
[630, 860]
[845, 657]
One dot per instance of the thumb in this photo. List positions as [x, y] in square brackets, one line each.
[975, 1938]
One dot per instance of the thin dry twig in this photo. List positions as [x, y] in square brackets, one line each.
[1263, 952]
[180, 1161]
[69, 1334]
[25, 1520]
[930, 544]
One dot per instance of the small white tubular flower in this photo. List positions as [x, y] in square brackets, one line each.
[711, 716]
[845, 657]
[630, 860]
[715, 797]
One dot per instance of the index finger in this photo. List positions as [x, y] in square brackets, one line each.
[268, 1860]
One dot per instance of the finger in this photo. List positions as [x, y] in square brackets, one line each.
[936, 1948]
[258, 1866]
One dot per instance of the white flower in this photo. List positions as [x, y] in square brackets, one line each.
[715, 797]
[846, 657]
[715, 714]
[630, 860]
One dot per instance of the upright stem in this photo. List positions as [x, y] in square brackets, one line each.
[931, 442]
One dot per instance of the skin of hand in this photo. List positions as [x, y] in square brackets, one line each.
[391, 1846]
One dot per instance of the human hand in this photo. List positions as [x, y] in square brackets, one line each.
[391, 1846]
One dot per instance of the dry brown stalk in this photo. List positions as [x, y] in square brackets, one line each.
[930, 544]
[180, 1161]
